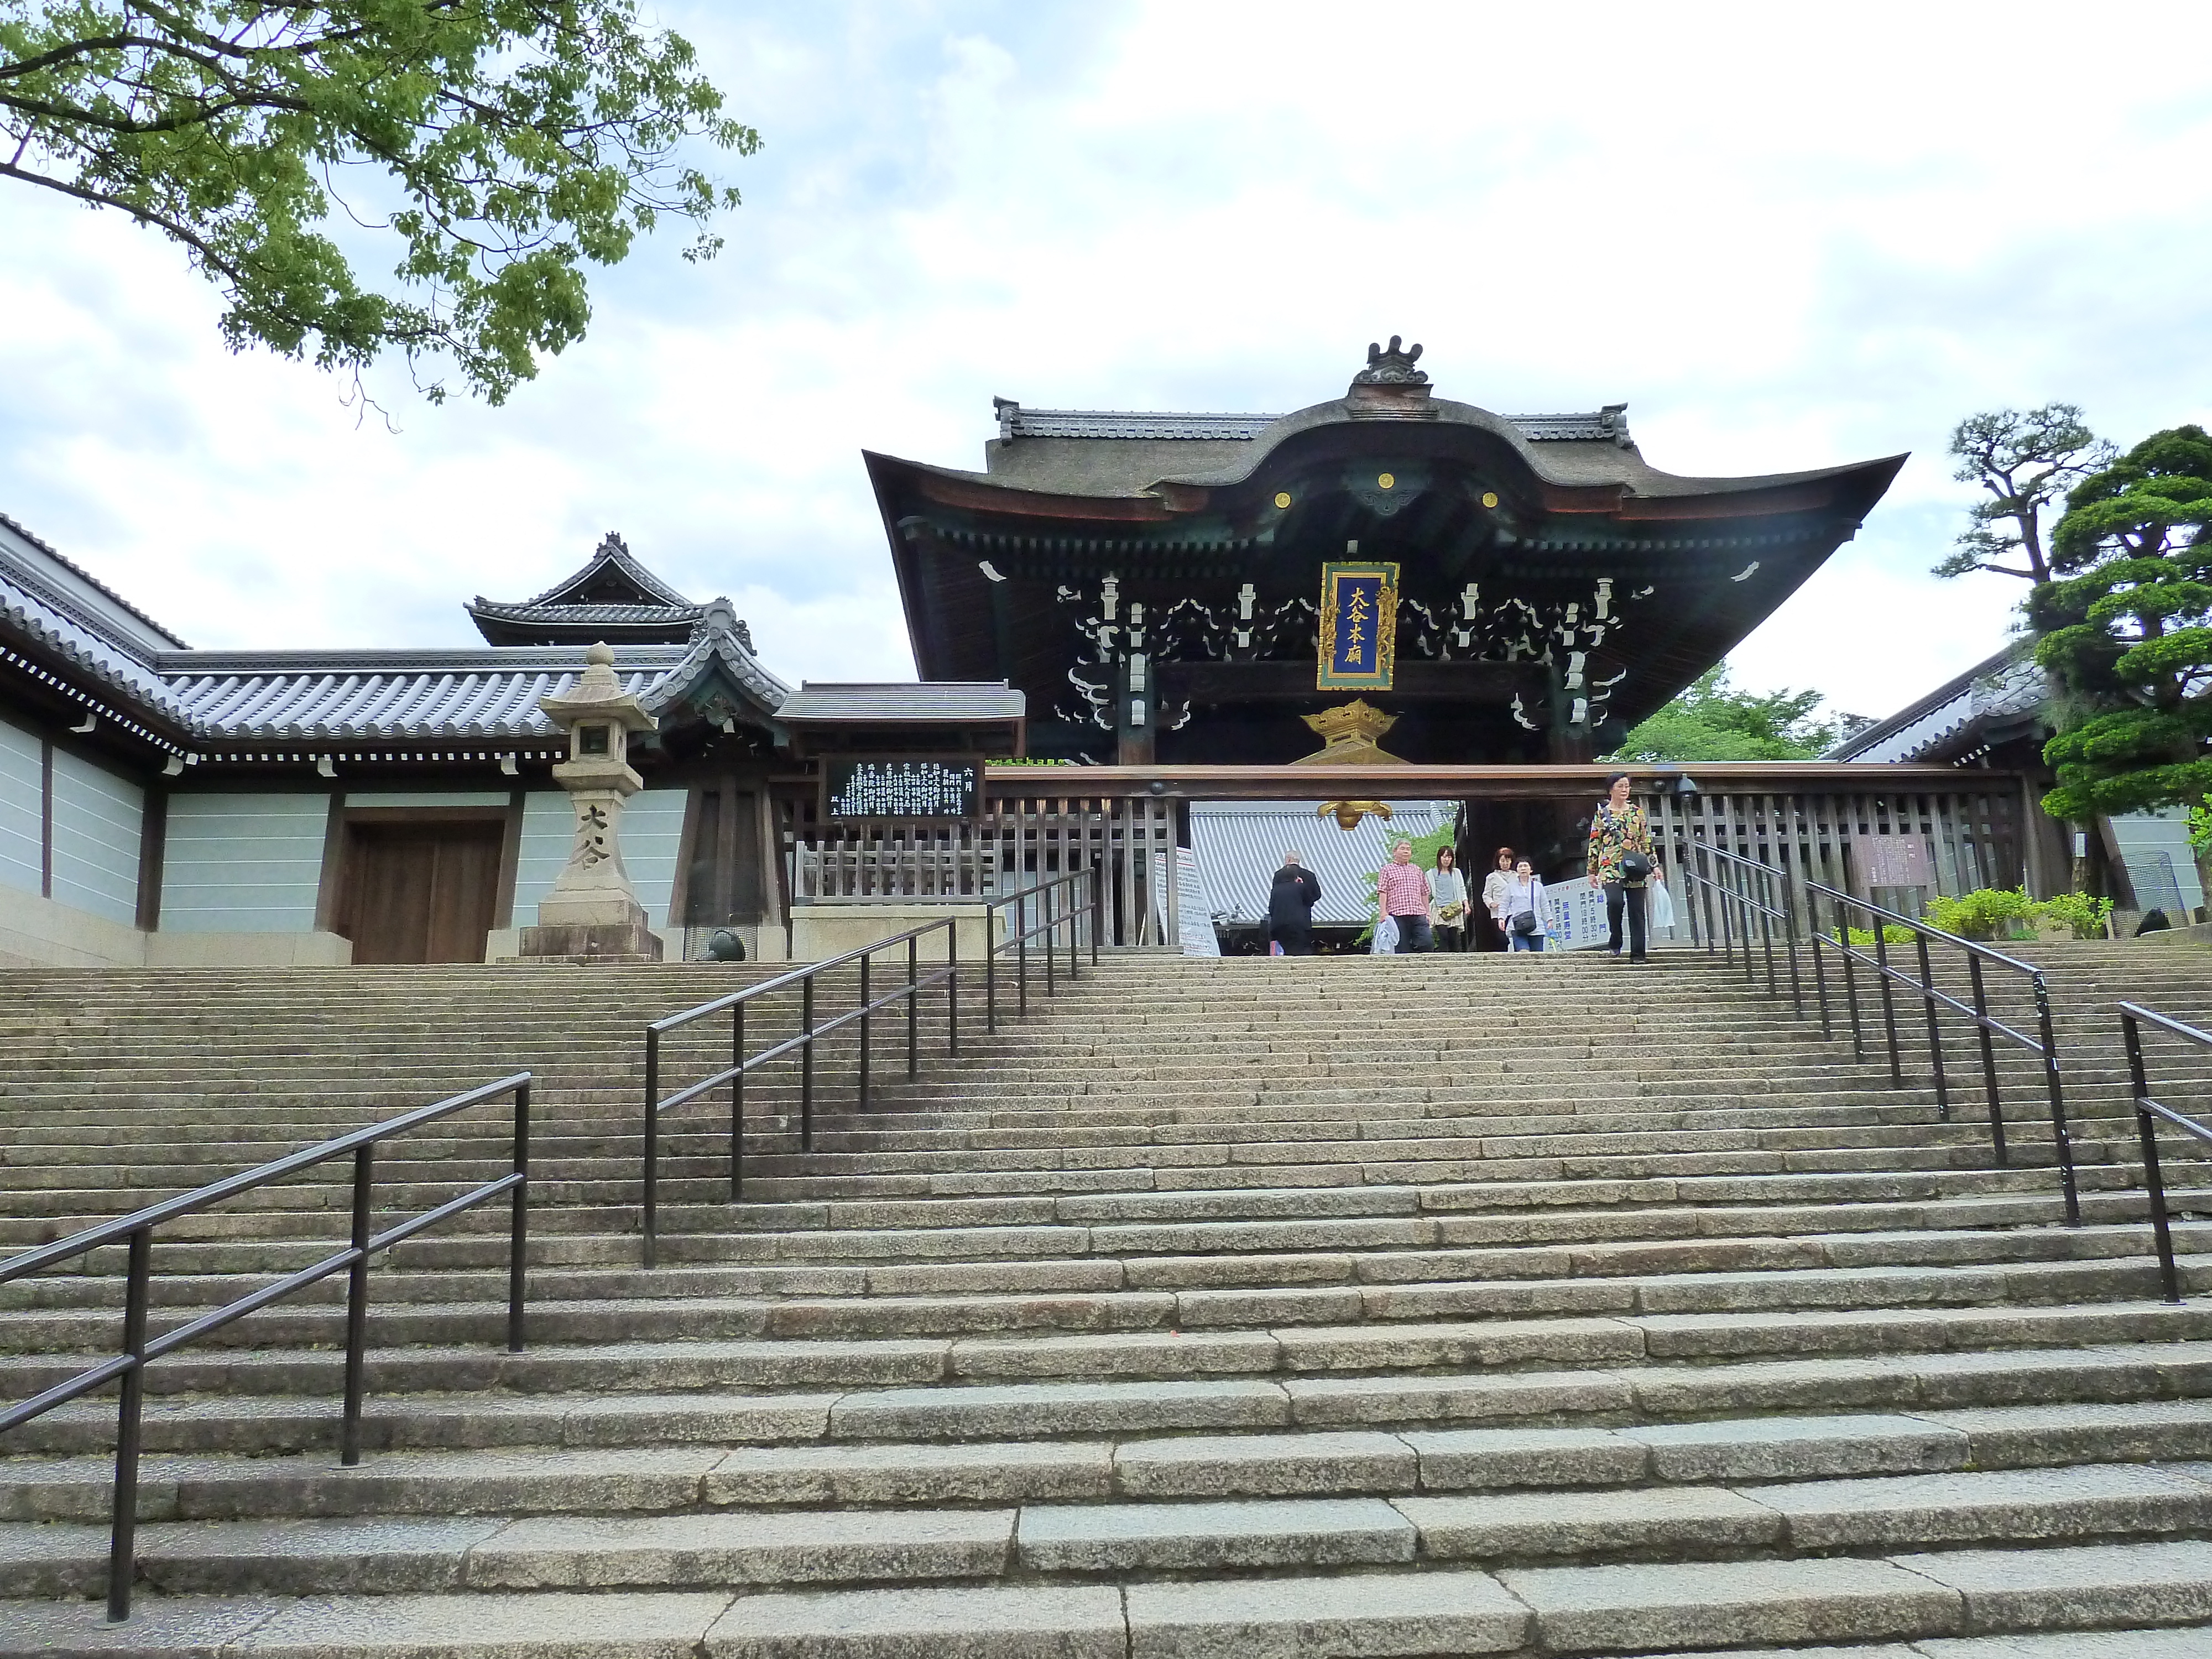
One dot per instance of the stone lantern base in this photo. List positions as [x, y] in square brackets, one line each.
[627, 942]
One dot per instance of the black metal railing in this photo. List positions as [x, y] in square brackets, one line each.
[1053, 916]
[2149, 1113]
[140, 1350]
[1054, 912]
[1749, 906]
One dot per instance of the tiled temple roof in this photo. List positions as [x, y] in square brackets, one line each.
[612, 597]
[2002, 691]
[62, 628]
[1016, 421]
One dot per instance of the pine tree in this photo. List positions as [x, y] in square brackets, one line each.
[2122, 631]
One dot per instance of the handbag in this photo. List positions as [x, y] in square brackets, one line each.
[1635, 869]
[1524, 922]
[1448, 915]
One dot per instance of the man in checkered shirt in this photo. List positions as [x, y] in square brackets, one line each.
[1403, 887]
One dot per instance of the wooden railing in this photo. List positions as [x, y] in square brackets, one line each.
[1840, 824]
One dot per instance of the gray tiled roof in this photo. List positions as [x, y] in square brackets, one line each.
[2007, 686]
[1015, 421]
[1239, 845]
[371, 696]
[486, 693]
[926, 700]
[585, 615]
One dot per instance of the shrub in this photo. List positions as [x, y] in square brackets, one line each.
[1892, 934]
[2085, 915]
[1986, 913]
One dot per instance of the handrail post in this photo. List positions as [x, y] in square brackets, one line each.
[807, 1064]
[357, 1355]
[952, 979]
[2061, 1139]
[1888, 1002]
[1022, 950]
[130, 1415]
[1765, 929]
[651, 1196]
[1815, 940]
[2154, 1179]
[1051, 943]
[913, 1006]
[990, 969]
[736, 1100]
[518, 1234]
[1989, 1057]
[1935, 1029]
[864, 1033]
[1850, 980]
[1789, 931]
[1097, 911]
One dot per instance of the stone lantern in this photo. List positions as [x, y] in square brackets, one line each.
[592, 911]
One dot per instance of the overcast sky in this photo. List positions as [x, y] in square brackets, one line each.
[1786, 237]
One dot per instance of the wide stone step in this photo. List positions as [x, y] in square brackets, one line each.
[236, 1420]
[716, 1549]
[1508, 1344]
[555, 1321]
[1670, 1458]
[2110, 1596]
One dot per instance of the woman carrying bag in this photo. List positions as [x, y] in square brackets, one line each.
[1524, 916]
[1493, 897]
[1448, 915]
[1620, 863]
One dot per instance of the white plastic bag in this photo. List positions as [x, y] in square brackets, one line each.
[1386, 936]
[1662, 907]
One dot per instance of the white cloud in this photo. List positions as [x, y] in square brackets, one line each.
[1786, 238]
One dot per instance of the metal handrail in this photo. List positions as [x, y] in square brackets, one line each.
[2149, 1114]
[803, 1042]
[1049, 926]
[1739, 872]
[811, 1031]
[139, 1350]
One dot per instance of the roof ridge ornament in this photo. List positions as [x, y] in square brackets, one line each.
[1393, 366]
[1390, 387]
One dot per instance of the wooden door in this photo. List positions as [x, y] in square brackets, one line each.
[421, 892]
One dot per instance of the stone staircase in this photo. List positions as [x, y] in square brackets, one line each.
[1311, 1308]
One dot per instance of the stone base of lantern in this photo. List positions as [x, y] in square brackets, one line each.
[627, 941]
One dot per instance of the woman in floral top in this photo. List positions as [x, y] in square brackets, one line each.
[1618, 828]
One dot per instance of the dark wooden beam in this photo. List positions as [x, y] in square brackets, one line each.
[1293, 682]
[1545, 782]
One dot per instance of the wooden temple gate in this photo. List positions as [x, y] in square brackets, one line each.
[1839, 823]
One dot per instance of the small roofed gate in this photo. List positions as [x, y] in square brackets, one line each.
[1893, 833]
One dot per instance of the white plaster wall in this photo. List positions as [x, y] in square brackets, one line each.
[2141, 837]
[97, 818]
[245, 864]
[652, 833]
[21, 860]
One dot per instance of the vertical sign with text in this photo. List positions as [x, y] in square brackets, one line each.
[1358, 626]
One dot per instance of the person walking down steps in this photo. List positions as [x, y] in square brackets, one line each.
[1448, 907]
[1521, 912]
[1620, 863]
[1493, 896]
[1402, 887]
[1291, 899]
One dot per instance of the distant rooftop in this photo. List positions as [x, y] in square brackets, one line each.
[928, 700]
[1597, 426]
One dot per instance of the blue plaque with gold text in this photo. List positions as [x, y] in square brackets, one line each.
[1358, 626]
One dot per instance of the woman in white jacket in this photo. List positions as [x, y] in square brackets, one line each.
[1522, 895]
